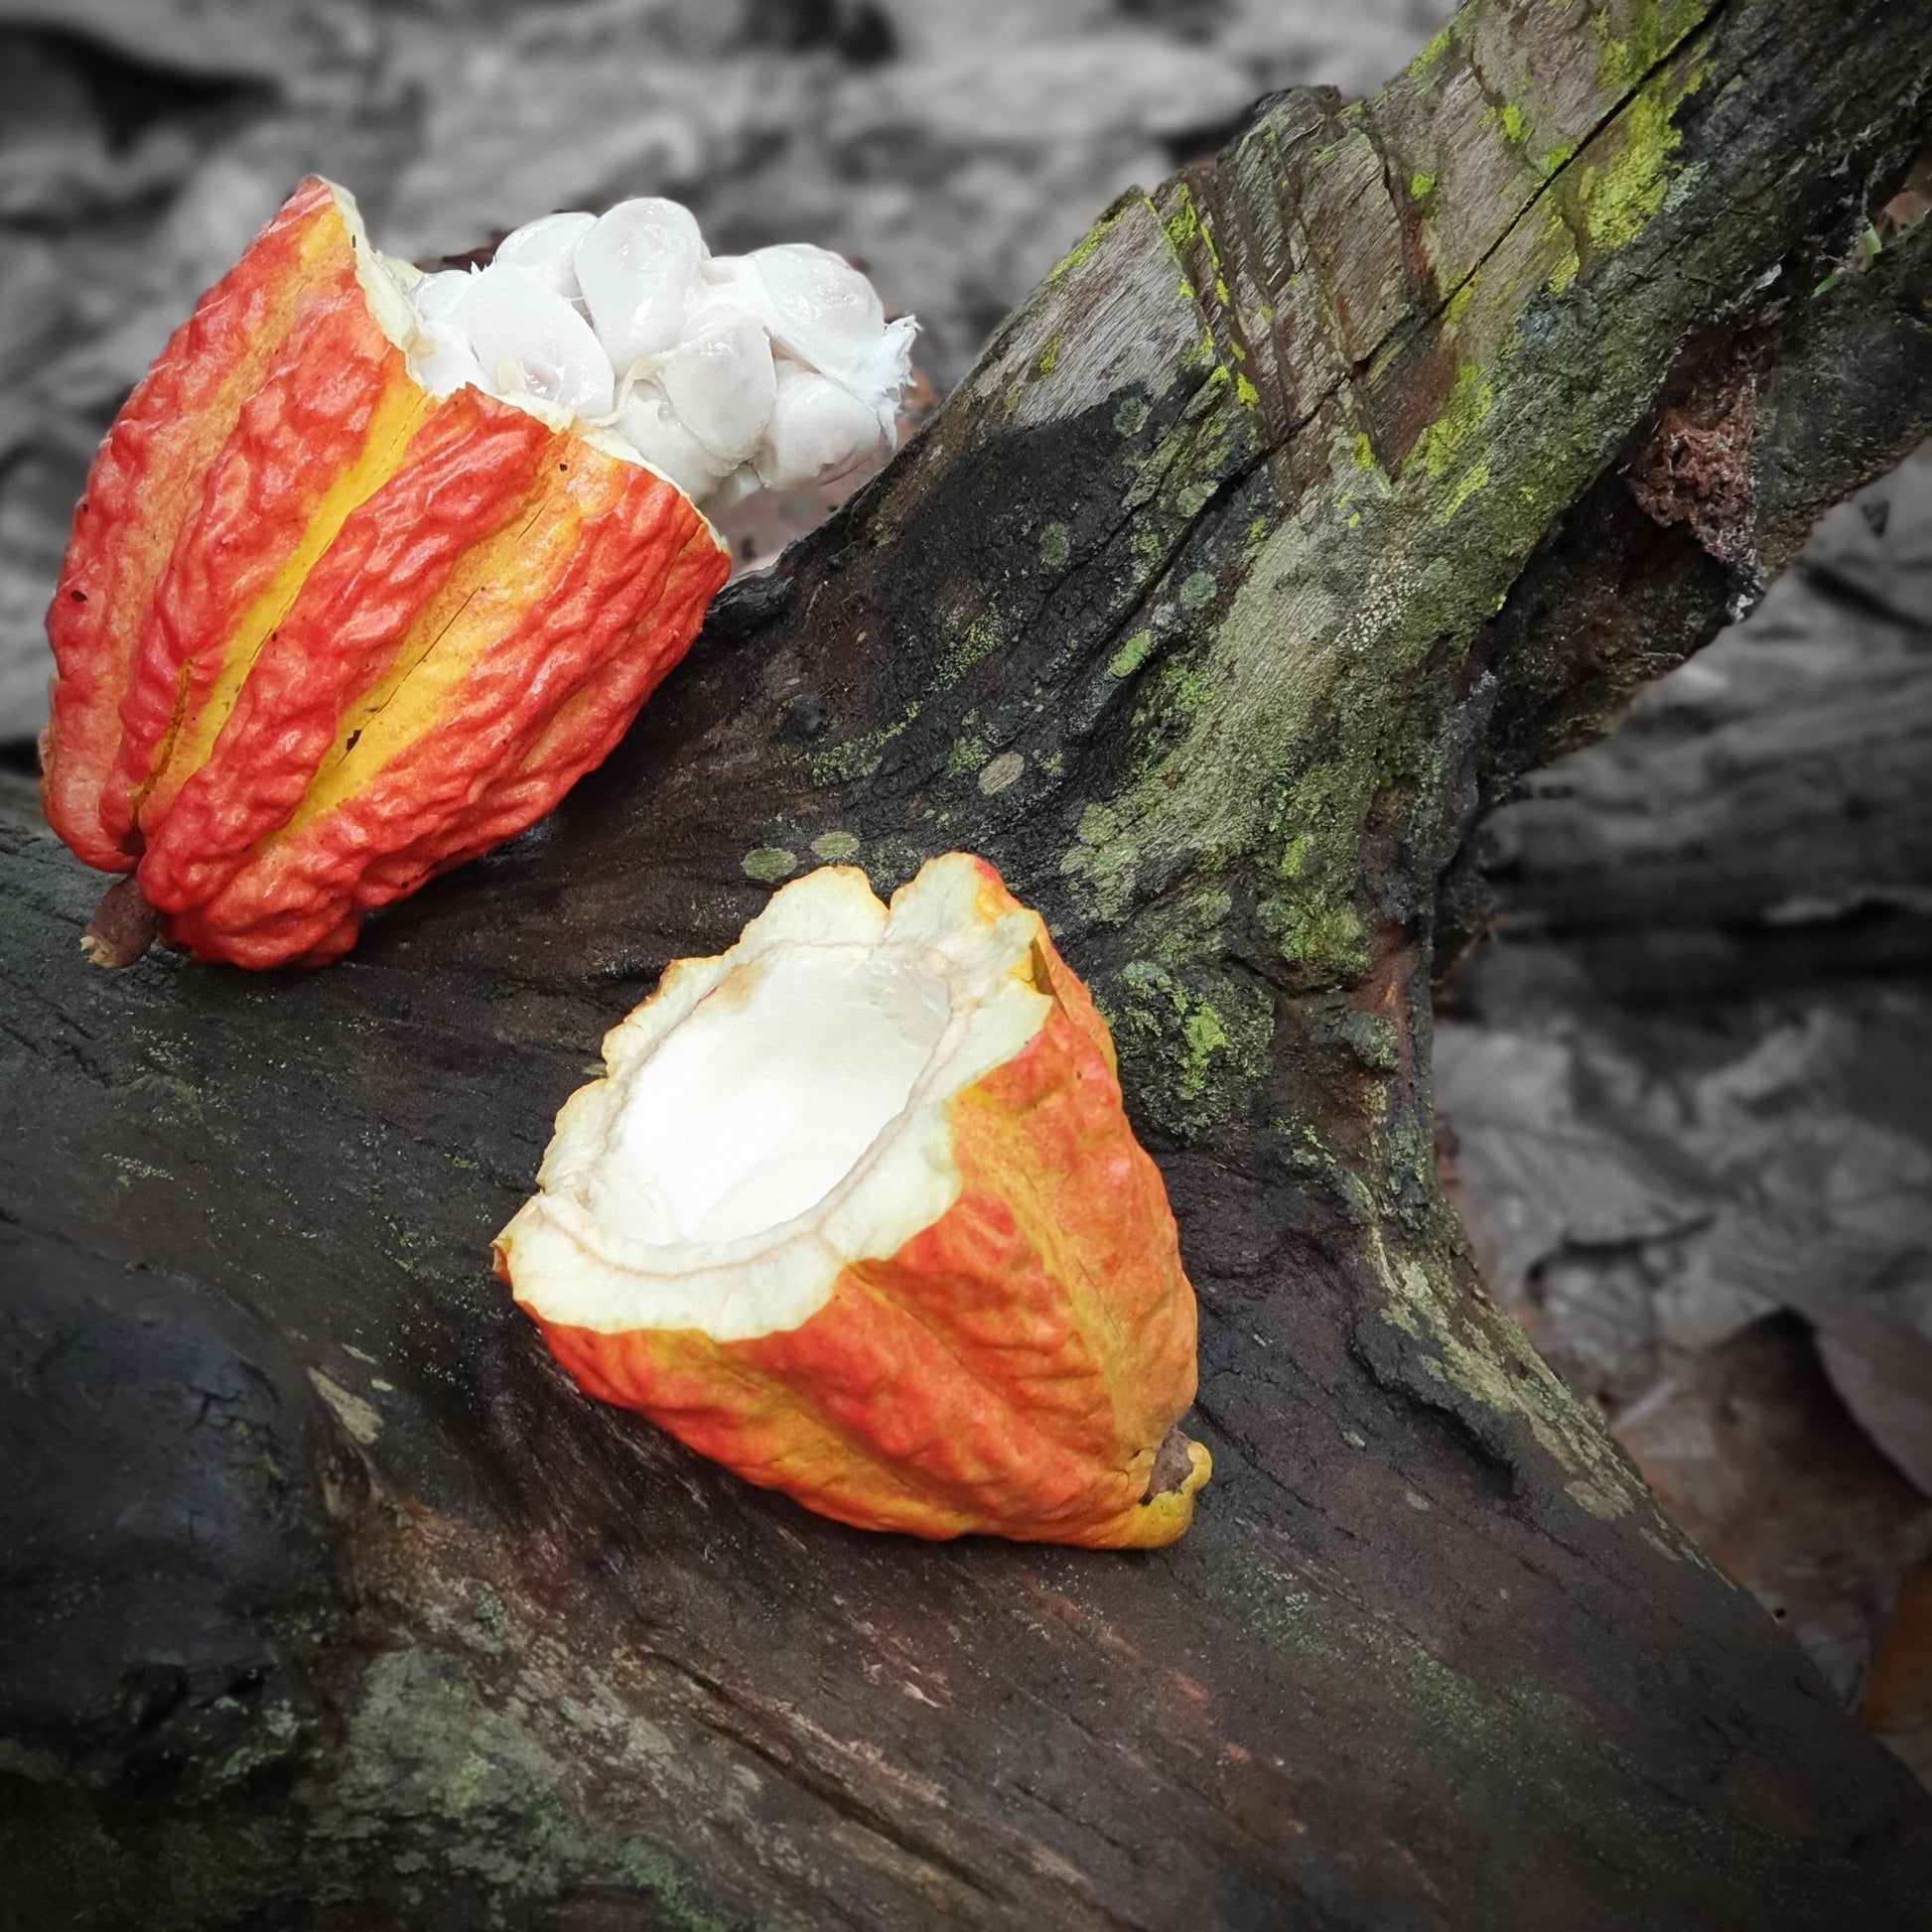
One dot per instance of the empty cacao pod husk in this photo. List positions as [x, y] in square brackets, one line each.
[858, 1213]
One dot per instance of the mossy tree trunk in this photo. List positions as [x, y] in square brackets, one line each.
[1310, 501]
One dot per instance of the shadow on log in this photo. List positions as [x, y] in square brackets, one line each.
[1309, 503]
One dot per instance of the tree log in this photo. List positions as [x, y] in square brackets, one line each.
[1310, 501]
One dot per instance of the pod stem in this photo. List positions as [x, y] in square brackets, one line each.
[1172, 1465]
[123, 927]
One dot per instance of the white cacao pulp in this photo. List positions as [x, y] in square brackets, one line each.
[723, 374]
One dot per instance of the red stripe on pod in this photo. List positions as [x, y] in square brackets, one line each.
[628, 606]
[302, 429]
[468, 473]
[177, 417]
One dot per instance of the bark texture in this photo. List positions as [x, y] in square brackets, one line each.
[1307, 504]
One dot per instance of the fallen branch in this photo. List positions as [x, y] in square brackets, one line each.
[1310, 501]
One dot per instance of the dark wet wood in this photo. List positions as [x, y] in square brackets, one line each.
[1283, 527]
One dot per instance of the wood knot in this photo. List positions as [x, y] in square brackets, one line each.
[1696, 469]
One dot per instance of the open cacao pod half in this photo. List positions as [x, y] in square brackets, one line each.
[373, 566]
[857, 1212]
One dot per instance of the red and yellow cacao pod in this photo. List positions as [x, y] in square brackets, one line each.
[320, 634]
[857, 1211]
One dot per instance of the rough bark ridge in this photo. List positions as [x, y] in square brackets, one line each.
[1289, 522]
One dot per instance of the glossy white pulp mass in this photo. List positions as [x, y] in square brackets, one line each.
[725, 372]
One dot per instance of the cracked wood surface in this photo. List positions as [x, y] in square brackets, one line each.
[1281, 529]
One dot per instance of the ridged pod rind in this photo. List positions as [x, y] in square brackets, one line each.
[1011, 1369]
[320, 634]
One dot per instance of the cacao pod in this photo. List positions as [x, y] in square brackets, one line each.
[322, 631]
[857, 1211]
